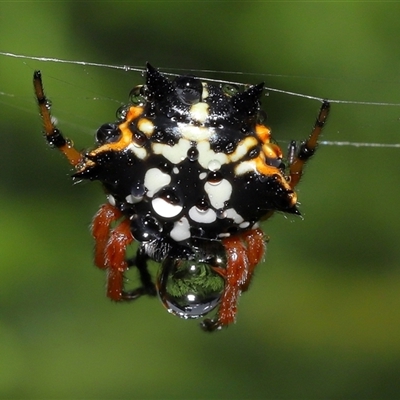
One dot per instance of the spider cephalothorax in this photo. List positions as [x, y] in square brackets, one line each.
[189, 170]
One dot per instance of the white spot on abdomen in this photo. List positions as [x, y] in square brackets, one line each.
[195, 133]
[139, 152]
[218, 192]
[207, 155]
[131, 199]
[232, 214]
[146, 126]
[154, 180]
[165, 209]
[202, 216]
[199, 112]
[111, 199]
[181, 230]
[244, 167]
[175, 154]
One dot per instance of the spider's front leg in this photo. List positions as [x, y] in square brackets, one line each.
[111, 244]
[297, 159]
[244, 252]
[53, 135]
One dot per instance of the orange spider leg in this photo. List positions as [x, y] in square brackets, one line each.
[235, 276]
[101, 227]
[110, 248]
[255, 244]
[244, 252]
[115, 252]
[307, 148]
[53, 135]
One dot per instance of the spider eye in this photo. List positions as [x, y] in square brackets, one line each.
[188, 89]
[189, 288]
[108, 133]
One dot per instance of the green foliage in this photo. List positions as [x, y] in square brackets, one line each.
[202, 283]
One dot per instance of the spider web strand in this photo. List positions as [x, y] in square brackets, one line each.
[142, 70]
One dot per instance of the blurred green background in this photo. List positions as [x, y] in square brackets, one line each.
[321, 319]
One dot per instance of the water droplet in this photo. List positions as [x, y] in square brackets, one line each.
[165, 167]
[221, 213]
[188, 89]
[214, 177]
[214, 165]
[253, 152]
[69, 143]
[229, 148]
[203, 204]
[230, 89]
[122, 112]
[138, 189]
[136, 96]
[274, 162]
[145, 228]
[193, 154]
[108, 133]
[261, 117]
[189, 288]
[158, 136]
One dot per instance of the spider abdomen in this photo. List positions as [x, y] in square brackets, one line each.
[190, 160]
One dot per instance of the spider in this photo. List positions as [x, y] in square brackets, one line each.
[189, 171]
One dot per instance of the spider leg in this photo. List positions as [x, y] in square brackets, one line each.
[110, 254]
[244, 252]
[255, 241]
[297, 159]
[114, 259]
[110, 248]
[53, 135]
[101, 228]
[148, 287]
